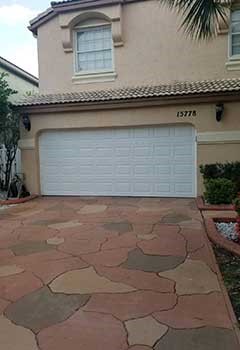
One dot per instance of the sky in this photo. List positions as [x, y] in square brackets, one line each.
[17, 43]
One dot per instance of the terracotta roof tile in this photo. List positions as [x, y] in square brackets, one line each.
[53, 3]
[140, 92]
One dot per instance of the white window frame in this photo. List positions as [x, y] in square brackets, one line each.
[231, 56]
[80, 29]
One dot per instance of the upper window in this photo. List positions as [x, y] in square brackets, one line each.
[235, 34]
[94, 49]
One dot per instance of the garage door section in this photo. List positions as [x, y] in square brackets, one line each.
[149, 161]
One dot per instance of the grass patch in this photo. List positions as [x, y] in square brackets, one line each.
[229, 265]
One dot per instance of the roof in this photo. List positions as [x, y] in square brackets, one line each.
[12, 68]
[57, 3]
[136, 93]
[69, 5]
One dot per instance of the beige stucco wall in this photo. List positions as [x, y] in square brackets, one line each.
[154, 51]
[226, 148]
[18, 84]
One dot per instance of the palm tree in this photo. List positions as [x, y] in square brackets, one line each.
[201, 18]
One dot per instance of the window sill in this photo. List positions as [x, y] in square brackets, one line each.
[94, 78]
[233, 64]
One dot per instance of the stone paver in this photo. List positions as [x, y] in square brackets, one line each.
[79, 247]
[168, 243]
[65, 225]
[140, 280]
[43, 308]
[92, 209]
[207, 338]
[137, 260]
[10, 270]
[87, 281]
[190, 313]
[131, 305]
[30, 247]
[55, 241]
[140, 347]
[120, 227]
[147, 237]
[193, 277]
[13, 337]
[175, 218]
[85, 331]
[145, 331]
[108, 258]
[16, 286]
[87, 273]
[3, 305]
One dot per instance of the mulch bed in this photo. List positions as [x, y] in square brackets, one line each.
[229, 265]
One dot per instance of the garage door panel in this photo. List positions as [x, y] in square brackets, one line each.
[122, 151]
[149, 161]
[123, 170]
[182, 188]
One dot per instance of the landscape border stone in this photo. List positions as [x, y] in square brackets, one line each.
[221, 207]
[18, 200]
[217, 238]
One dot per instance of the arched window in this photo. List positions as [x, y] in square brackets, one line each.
[93, 47]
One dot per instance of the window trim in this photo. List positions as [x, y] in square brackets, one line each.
[90, 73]
[231, 56]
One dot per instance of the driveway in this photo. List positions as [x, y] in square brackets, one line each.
[109, 274]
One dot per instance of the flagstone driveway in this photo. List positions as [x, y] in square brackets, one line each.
[111, 274]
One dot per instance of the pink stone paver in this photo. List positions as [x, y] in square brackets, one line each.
[196, 311]
[79, 247]
[93, 269]
[131, 305]
[108, 258]
[166, 244]
[3, 305]
[85, 331]
[16, 286]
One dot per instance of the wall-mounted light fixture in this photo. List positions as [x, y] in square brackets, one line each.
[219, 111]
[26, 122]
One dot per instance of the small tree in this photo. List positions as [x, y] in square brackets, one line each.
[9, 128]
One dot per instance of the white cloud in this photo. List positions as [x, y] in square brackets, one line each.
[16, 14]
[24, 56]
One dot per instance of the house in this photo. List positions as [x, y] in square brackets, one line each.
[18, 79]
[128, 105]
[25, 84]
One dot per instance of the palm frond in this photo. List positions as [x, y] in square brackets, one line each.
[201, 18]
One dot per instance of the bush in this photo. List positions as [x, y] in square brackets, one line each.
[229, 170]
[220, 191]
[211, 171]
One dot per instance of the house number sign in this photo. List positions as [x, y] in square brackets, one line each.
[183, 114]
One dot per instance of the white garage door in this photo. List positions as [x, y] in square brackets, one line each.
[149, 161]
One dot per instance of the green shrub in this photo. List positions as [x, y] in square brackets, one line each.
[220, 191]
[211, 171]
[229, 170]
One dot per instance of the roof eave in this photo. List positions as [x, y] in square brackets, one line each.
[41, 19]
[12, 68]
[230, 96]
[57, 8]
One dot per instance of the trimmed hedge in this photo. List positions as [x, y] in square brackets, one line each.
[229, 170]
[220, 191]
